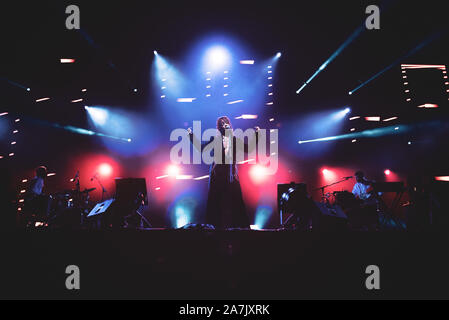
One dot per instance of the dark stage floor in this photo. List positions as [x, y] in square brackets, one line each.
[188, 264]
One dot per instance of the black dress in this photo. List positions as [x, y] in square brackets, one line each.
[225, 205]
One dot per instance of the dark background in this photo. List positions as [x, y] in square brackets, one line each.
[114, 54]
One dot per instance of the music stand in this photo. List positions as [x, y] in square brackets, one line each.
[100, 208]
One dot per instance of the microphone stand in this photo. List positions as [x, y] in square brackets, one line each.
[330, 185]
[103, 190]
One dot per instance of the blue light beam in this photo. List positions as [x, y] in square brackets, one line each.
[351, 38]
[363, 134]
[397, 61]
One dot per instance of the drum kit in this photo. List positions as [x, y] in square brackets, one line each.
[69, 207]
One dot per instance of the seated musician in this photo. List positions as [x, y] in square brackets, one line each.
[36, 203]
[363, 188]
[366, 217]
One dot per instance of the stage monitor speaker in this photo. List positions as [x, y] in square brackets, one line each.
[284, 189]
[130, 189]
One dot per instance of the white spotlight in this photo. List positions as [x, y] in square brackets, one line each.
[217, 57]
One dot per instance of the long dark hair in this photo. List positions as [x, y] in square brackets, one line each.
[219, 123]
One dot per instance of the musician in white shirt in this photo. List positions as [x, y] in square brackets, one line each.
[362, 187]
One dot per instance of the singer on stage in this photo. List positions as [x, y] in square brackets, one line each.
[225, 205]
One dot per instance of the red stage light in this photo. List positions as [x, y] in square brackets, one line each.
[442, 178]
[173, 170]
[387, 172]
[105, 169]
[329, 175]
[65, 60]
[258, 173]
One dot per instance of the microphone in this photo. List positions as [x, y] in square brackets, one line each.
[349, 177]
[76, 176]
[226, 126]
[94, 177]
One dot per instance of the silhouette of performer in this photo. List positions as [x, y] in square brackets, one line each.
[225, 205]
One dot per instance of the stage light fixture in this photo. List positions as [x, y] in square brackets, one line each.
[105, 169]
[247, 116]
[387, 172]
[67, 60]
[217, 57]
[428, 106]
[258, 173]
[186, 100]
[42, 99]
[372, 119]
[390, 119]
[173, 170]
[236, 101]
[98, 115]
